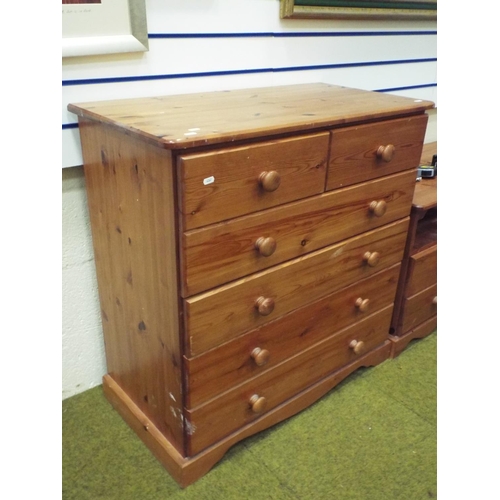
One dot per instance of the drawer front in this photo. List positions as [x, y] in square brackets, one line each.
[240, 359]
[232, 410]
[217, 316]
[419, 308]
[354, 151]
[224, 252]
[422, 271]
[223, 184]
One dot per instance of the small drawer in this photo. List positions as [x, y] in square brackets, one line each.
[422, 270]
[232, 410]
[222, 184]
[226, 251]
[368, 151]
[221, 314]
[419, 308]
[244, 357]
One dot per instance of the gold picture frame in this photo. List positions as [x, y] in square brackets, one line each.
[358, 9]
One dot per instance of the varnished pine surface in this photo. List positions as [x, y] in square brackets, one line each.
[208, 377]
[422, 271]
[422, 330]
[201, 119]
[422, 234]
[419, 308]
[187, 470]
[425, 196]
[223, 252]
[222, 184]
[131, 206]
[428, 151]
[221, 314]
[138, 191]
[353, 151]
[283, 381]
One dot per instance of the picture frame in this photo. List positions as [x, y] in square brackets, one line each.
[103, 27]
[358, 9]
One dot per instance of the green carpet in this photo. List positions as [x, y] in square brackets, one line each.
[372, 437]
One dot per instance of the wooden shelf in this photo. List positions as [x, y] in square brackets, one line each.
[426, 233]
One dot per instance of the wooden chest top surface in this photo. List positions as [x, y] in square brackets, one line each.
[183, 121]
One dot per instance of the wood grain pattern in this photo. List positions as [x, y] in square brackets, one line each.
[223, 184]
[283, 381]
[234, 290]
[422, 235]
[419, 307]
[428, 151]
[223, 252]
[179, 122]
[426, 231]
[353, 156]
[425, 196]
[217, 316]
[131, 205]
[145, 428]
[230, 364]
[422, 271]
[187, 470]
[400, 343]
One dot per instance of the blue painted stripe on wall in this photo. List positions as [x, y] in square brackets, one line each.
[352, 33]
[75, 125]
[354, 65]
[409, 87]
[290, 34]
[123, 79]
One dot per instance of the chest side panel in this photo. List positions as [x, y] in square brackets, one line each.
[130, 191]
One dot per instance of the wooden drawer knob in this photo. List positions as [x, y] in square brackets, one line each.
[258, 403]
[266, 246]
[270, 181]
[378, 208]
[358, 346]
[371, 258]
[385, 152]
[435, 300]
[264, 305]
[260, 356]
[362, 304]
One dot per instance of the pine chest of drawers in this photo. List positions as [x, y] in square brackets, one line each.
[247, 247]
[415, 305]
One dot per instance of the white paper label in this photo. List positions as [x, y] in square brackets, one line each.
[208, 180]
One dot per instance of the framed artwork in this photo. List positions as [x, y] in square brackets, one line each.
[91, 27]
[358, 9]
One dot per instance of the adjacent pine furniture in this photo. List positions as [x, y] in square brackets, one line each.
[248, 246]
[415, 307]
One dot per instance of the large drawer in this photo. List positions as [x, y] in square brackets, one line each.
[226, 251]
[233, 409]
[422, 270]
[214, 317]
[374, 150]
[251, 354]
[419, 308]
[222, 184]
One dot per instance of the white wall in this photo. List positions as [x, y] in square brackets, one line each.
[390, 56]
